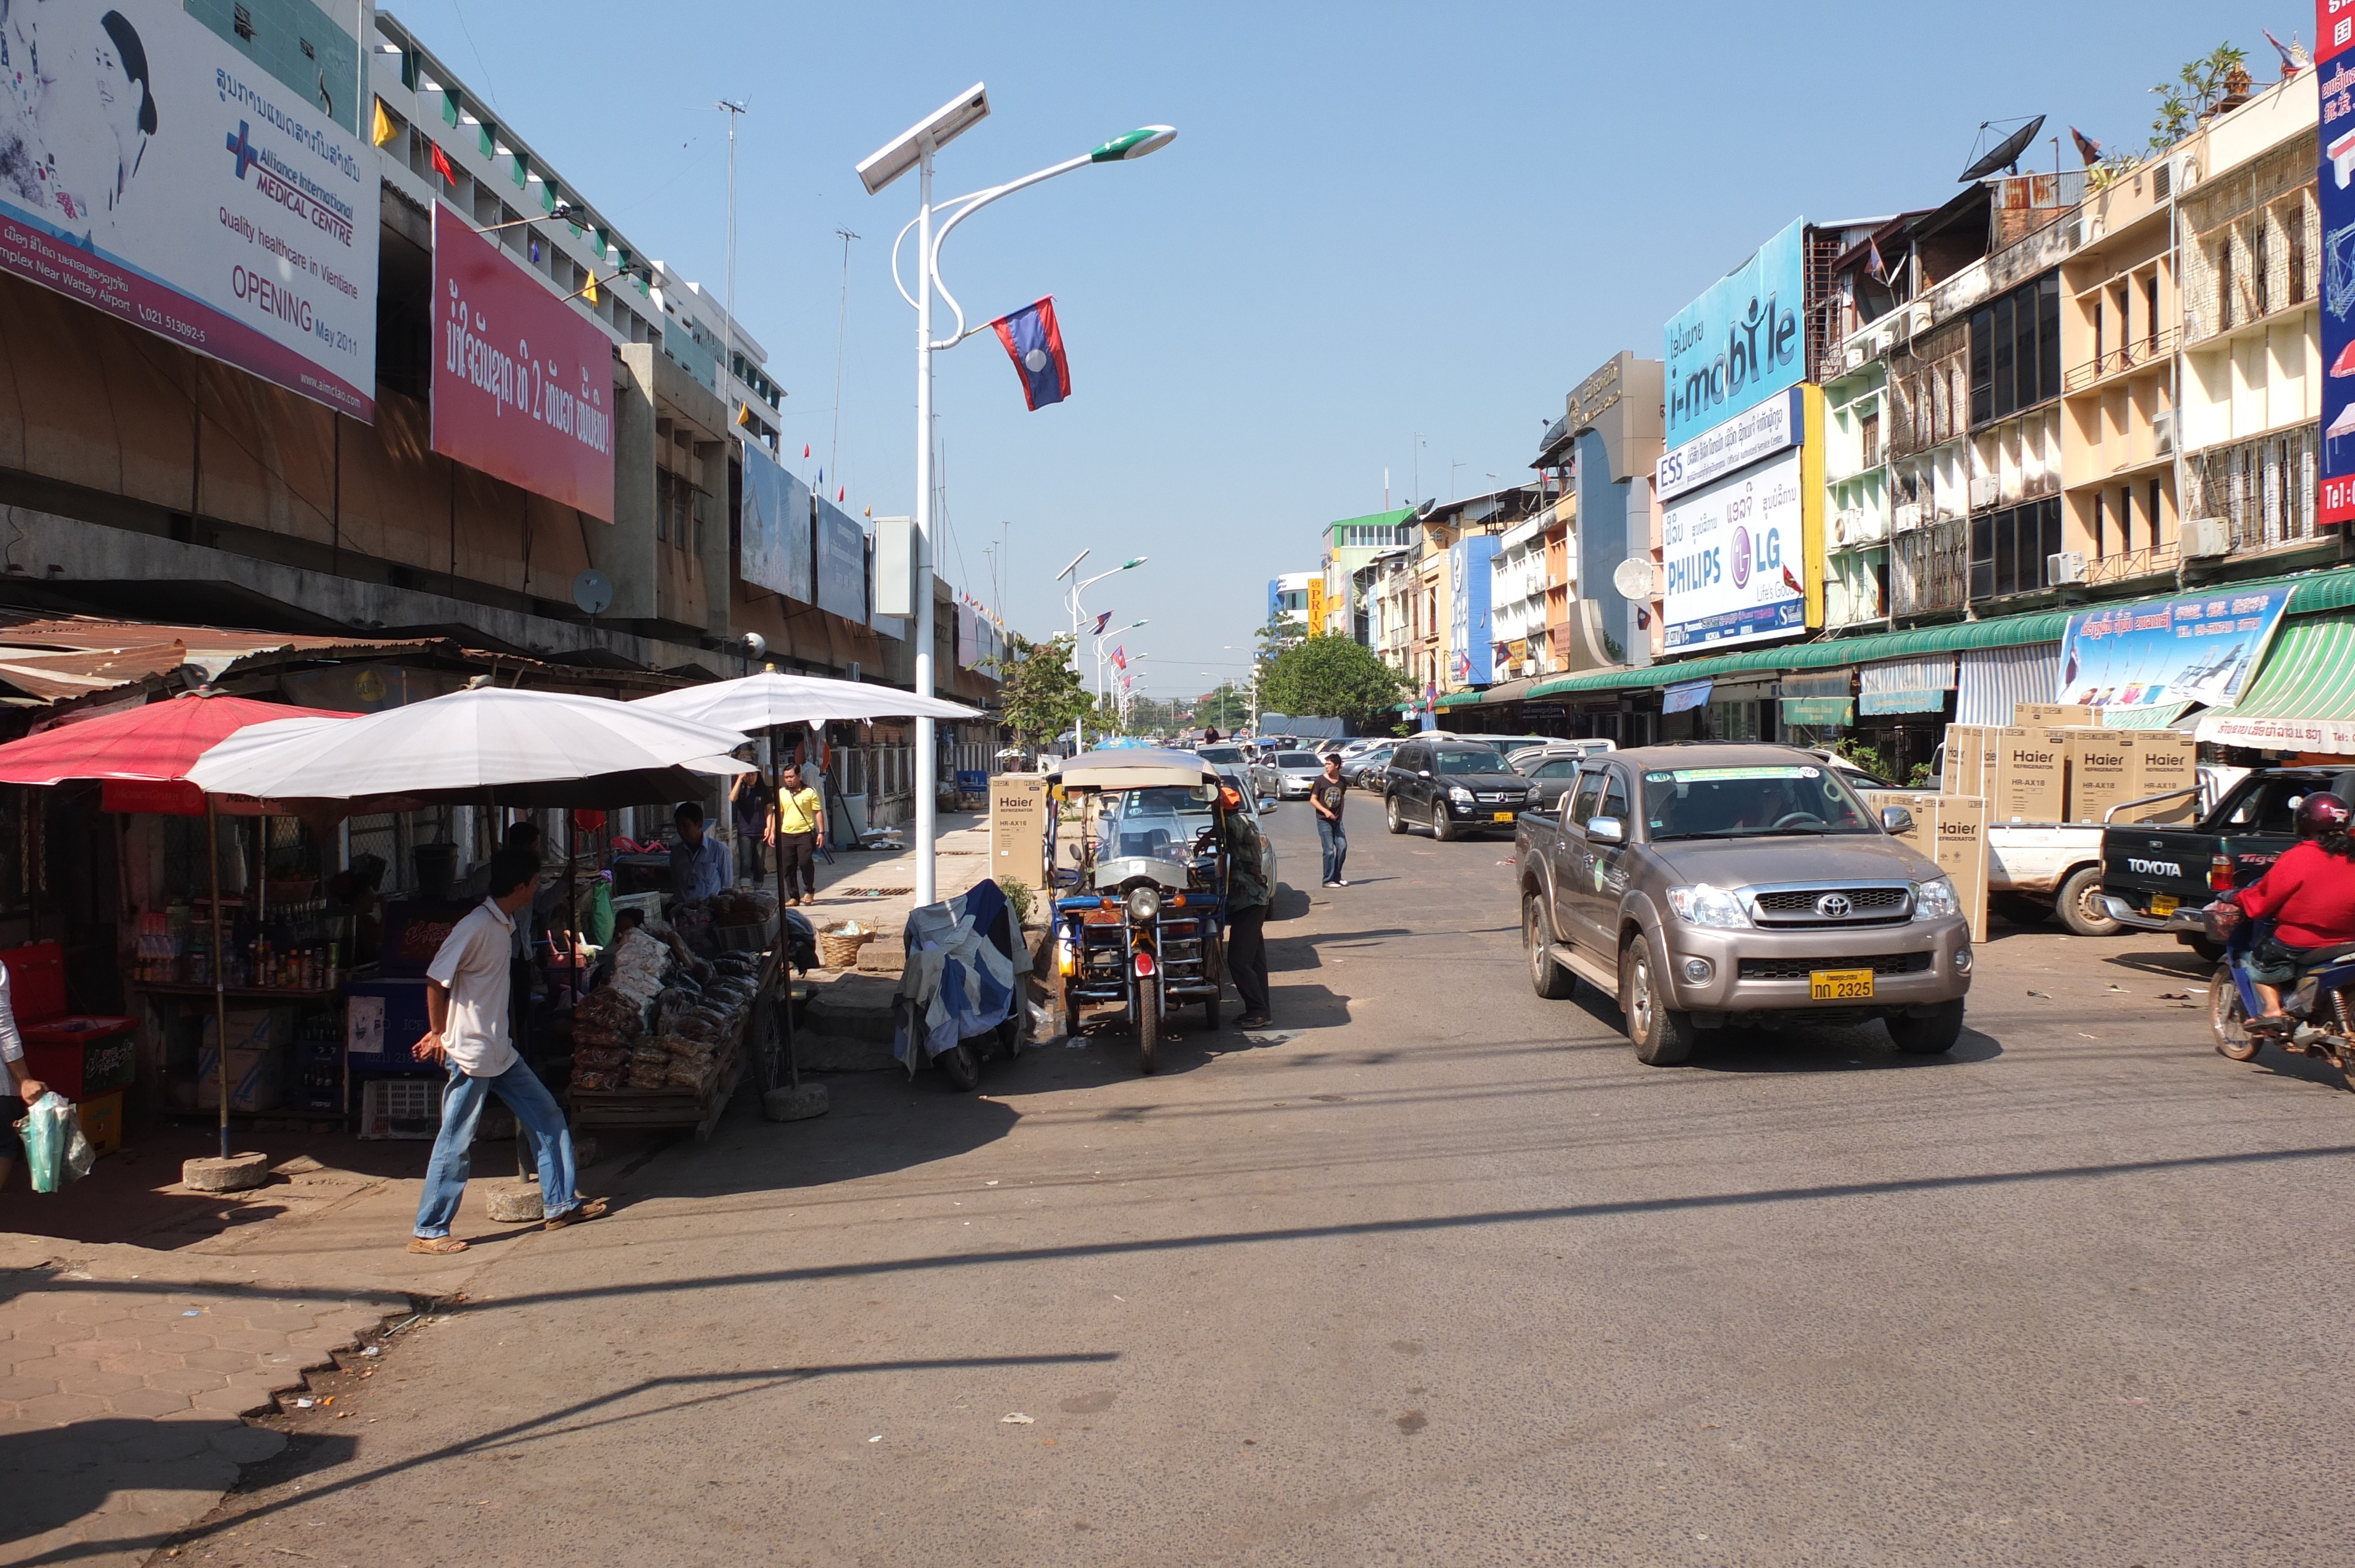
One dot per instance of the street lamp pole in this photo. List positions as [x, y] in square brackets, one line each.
[1079, 731]
[915, 149]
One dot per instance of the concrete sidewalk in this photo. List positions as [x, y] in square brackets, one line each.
[127, 1366]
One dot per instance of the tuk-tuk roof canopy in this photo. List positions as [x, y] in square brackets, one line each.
[1135, 768]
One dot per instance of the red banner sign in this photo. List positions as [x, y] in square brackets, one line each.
[523, 384]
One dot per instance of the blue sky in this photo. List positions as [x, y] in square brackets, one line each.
[1377, 220]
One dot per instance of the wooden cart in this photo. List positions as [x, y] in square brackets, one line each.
[763, 1042]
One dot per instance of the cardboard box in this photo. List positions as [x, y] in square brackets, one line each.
[1951, 829]
[101, 1122]
[1966, 751]
[1018, 832]
[259, 1041]
[2103, 765]
[2031, 774]
[2053, 713]
[2166, 760]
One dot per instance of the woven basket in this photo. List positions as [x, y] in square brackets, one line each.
[840, 951]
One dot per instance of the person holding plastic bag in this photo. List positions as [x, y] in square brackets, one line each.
[12, 1049]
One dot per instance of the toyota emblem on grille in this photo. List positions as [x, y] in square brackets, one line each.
[1833, 906]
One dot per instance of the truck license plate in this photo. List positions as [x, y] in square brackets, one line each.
[1501, 817]
[2163, 904]
[1840, 985]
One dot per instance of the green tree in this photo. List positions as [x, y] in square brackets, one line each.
[1223, 709]
[2195, 91]
[1041, 694]
[1278, 637]
[1332, 677]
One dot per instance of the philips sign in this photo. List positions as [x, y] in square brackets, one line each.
[1740, 342]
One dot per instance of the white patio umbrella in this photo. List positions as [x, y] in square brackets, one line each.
[477, 739]
[769, 698]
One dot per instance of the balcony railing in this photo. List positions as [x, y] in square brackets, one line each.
[2125, 565]
[2135, 355]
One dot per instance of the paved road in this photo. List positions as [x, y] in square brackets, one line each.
[1446, 1277]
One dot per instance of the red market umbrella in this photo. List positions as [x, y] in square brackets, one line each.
[143, 754]
[157, 743]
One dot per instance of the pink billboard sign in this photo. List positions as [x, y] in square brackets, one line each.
[523, 385]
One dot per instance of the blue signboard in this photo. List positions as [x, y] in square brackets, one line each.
[773, 528]
[2335, 192]
[2202, 648]
[841, 563]
[1468, 591]
[1741, 341]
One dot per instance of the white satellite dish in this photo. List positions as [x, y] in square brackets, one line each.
[1633, 579]
[592, 590]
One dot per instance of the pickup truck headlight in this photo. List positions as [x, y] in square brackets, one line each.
[1935, 899]
[1705, 905]
[1460, 795]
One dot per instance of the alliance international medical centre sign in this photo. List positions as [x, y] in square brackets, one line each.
[1740, 342]
[150, 170]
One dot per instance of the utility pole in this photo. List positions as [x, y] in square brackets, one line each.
[727, 336]
[841, 325]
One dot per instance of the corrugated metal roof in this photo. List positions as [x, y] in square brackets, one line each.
[2312, 593]
[1992, 682]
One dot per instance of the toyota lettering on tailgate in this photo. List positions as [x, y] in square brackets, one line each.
[2154, 867]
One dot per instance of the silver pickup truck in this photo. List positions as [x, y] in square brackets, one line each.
[1708, 885]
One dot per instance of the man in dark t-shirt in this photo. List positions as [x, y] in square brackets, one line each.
[1325, 799]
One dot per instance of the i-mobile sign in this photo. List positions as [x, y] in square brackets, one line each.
[523, 384]
[2334, 61]
[151, 171]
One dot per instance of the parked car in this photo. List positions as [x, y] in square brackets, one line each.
[1223, 756]
[2156, 878]
[1364, 768]
[1551, 771]
[1592, 747]
[1286, 775]
[1453, 786]
[1739, 885]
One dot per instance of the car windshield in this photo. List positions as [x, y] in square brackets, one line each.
[1735, 802]
[1160, 822]
[1226, 754]
[1468, 761]
[1558, 767]
[1299, 760]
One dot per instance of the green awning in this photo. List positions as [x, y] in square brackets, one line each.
[2161, 716]
[2314, 592]
[1459, 700]
[2303, 698]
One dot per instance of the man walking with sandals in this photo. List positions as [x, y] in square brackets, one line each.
[466, 991]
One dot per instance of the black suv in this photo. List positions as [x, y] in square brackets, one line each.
[1454, 787]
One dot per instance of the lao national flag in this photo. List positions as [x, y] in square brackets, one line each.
[1101, 621]
[1036, 344]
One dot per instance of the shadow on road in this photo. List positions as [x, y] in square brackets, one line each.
[1865, 1046]
[59, 1475]
[2175, 963]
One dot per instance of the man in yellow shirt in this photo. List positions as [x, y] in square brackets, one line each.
[800, 817]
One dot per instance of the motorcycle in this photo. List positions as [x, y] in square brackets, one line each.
[2320, 1018]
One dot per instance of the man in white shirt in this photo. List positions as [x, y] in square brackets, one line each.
[701, 864]
[466, 1007]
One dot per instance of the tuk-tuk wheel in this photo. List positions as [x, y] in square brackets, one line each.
[1071, 1013]
[1148, 1036]
[960, 1067]
[1210, 1012]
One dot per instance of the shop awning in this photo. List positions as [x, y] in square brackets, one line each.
[1906, 686]
[1989, 682]
[2304, 698]
[2312, 593]
[1683, 695]
[2165, 715]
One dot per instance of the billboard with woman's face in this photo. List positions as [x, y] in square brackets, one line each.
[151, 170]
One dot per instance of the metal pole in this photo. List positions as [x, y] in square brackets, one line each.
[1079, 725]
[220, 965]
[927, 766]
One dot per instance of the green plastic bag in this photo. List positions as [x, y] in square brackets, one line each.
[55, 1149]
[597, 920]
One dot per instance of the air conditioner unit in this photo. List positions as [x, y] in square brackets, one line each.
[2185, 167]
[1839, 528]
[2205, 537]
[2068, 566]
[2162, 431]
[1907, 518]
[1853, 358]
[1986, 491]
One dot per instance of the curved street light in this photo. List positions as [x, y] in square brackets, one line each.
[915, 149]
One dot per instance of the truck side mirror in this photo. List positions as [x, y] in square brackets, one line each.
[1896, 819]
[1606, 831]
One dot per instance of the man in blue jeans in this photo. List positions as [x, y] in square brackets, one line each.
[1325, 799]
[466, 994]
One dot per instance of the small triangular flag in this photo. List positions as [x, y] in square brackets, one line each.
[382, 131]
[442, 166]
